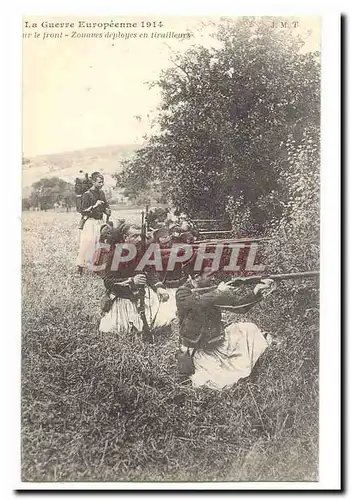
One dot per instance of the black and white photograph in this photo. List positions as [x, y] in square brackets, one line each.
[170, 253]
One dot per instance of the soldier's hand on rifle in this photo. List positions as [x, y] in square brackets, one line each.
[98, 203]
[139, 280]
[162, 294]
[224, 288]
[265, 287]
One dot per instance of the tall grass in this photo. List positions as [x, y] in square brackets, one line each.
[107, 408]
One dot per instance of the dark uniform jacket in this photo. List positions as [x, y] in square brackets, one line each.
[120, 284]
[200, 320]
[89, 199]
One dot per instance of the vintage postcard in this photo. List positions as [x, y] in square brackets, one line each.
[171, 250]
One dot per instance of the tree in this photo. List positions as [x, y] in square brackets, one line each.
[49, 191]
[227, 117]
[68, 199]
[34, 199]
[25, 204]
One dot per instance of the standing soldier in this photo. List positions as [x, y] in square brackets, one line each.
[94, 206]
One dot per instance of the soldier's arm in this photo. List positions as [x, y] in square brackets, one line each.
[243, 305]
[261, 290]
[107, 209]
[113, 283]
[191, 299]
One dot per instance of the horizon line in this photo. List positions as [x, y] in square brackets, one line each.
[70, 151]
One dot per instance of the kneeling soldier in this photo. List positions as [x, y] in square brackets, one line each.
[214, 355]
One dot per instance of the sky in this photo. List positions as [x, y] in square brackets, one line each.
[81, 93]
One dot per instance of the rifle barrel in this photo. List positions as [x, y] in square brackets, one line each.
[276, 277]
[215, 232]
[286, 276]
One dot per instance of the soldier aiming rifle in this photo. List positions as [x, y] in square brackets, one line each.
[213, 354]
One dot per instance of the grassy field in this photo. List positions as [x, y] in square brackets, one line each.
[105, 408]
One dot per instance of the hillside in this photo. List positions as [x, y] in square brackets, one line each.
[66, 165]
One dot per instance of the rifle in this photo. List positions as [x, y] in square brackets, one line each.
[146, 333]
[235, 282]
[147, 228]
[275, 277]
